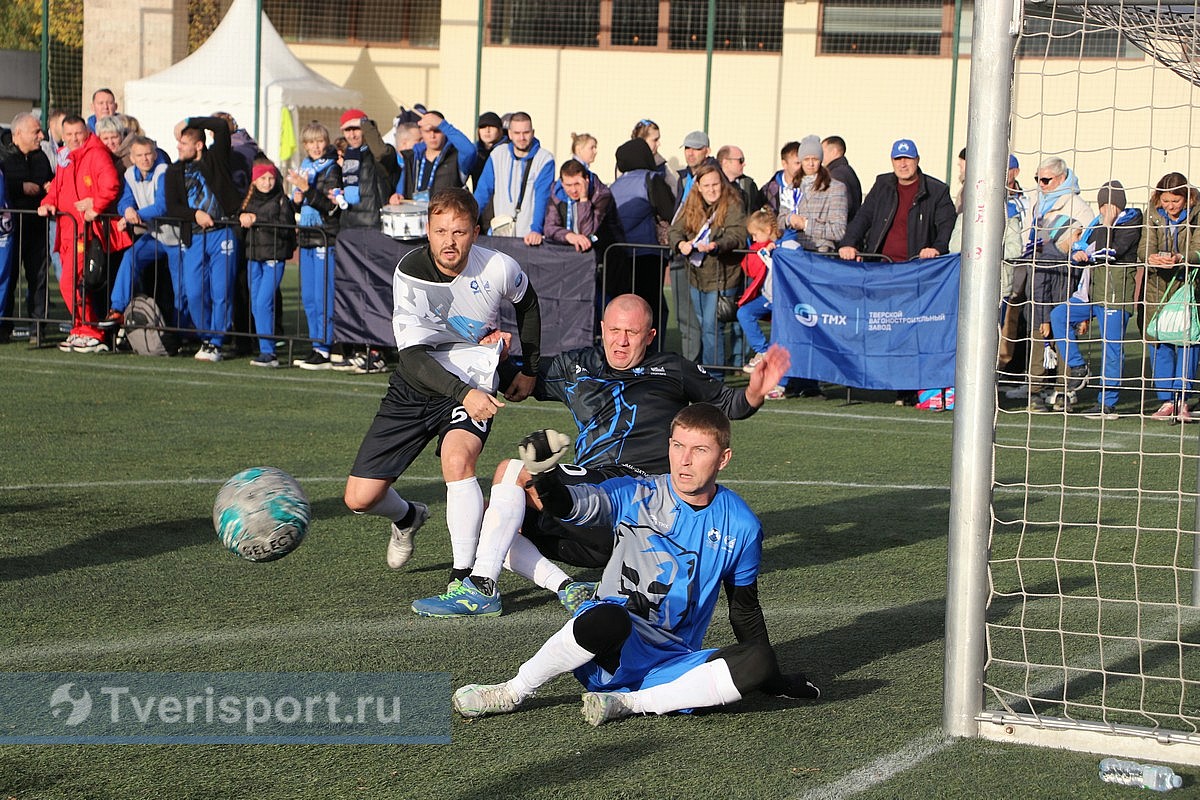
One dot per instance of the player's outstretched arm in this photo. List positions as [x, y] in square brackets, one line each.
[768, 374]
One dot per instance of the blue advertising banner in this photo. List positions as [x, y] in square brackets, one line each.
[870, 326]
[225, 708]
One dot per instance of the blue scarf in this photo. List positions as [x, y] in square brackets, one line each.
[311, 169]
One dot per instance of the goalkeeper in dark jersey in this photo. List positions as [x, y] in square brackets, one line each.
[679, 538]
[623, 399]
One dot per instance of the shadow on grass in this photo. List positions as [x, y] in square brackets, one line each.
[823, 533]
[542, 776]
[109, 547]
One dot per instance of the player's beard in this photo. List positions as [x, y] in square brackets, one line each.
[459, 257]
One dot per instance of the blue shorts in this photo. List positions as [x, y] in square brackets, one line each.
[648, 658]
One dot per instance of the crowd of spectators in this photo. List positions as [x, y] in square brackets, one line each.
[222, 221]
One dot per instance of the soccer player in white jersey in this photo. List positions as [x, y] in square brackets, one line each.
[680, 537]
[445, 316]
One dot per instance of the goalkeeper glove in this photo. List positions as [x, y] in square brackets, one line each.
[541, 450]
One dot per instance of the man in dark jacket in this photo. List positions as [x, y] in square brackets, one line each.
[200, 191]
[369, 171]
[834, 148]
[906, 215]
[26, 171]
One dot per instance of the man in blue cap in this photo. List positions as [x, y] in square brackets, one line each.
[906, 215]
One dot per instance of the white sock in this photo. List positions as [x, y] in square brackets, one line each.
[464, 513]
[392, 506]
[528, 562]
[707, 685]
[561, 653]
[501, 521]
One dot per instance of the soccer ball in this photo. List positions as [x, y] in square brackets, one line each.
[261, 514]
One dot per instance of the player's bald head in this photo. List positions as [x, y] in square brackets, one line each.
[630, 304]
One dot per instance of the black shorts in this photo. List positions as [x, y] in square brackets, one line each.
[406, 422]
[573, 544]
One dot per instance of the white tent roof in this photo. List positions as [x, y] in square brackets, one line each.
[219, 76]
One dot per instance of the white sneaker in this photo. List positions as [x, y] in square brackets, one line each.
[749, 366]
[400, 547]
[208, 352]
[602, 707]
[89, 344]
[475, 700]
[68, 344]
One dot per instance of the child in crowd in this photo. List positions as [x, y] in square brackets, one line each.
[755, 302]
[267, 248]
[583, 148]
[317, 182]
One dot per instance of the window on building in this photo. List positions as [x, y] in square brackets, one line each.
[926, 28]
[411, 23]
[880, 27]
[740, 25]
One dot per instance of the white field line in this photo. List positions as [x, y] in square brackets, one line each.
[881, 769]
[1110, 494]
[335, 630]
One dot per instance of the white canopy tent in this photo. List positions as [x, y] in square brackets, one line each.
[219, 76]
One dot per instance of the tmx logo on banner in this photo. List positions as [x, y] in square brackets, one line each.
[867, 325]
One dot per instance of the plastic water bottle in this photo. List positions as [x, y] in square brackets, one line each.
[1148, 776]
[339, 197]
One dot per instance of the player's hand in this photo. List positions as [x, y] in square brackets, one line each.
[520, 388]
[480, 405]
[768, 374]
[499, 336]
[790, 687]
[541, 450]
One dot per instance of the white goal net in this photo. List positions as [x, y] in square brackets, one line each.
[1092, 626]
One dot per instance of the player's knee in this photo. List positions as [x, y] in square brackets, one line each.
[602, 627]
[750, 664]
[359, 499]
[510, 471]
[457, 467]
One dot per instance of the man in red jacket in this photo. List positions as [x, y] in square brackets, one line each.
[84, 188]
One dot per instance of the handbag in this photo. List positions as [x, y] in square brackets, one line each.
[727, 308]
[1176, 321]
[95, 265]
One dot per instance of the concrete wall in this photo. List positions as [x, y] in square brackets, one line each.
[129, 39]
[758, 101]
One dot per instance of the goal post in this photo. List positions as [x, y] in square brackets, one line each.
[974, 413]
[1072, 582]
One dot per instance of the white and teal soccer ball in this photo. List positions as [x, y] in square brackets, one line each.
[261, 514]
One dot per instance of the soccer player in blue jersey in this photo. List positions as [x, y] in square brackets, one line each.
[623, 399]
[679, 538]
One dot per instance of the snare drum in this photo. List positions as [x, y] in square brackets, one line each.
[407, 221]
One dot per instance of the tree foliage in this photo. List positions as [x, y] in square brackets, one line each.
[21, 24]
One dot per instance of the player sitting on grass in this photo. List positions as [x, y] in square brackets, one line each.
[622, 399]
[678, 538]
